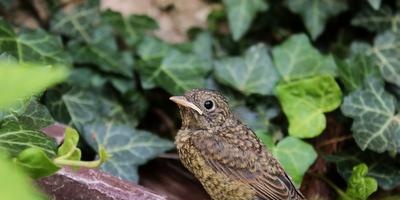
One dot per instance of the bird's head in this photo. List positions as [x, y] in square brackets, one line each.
[202, 109]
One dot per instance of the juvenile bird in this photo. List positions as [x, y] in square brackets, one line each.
[224, 154]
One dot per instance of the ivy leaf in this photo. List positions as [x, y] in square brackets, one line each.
[35, 115]
[315, 13]
[15, 138]
[241, 13]
[387, 174]
[78, 23]
[377, 20]
[36, 163]
[305, 101]
[36, 78]
[359, 185]
[132, 28]
[104, 122]
[128, 147]
[289, 151]
[102, 51]
[376, 123]
[375, 3]
[253, 73]
[353, 71]
[202, 46]
[31, 46]
[178, 72]
[386, 51]
[85, 106]
[152, 51]
[296, 58]
[15, 184]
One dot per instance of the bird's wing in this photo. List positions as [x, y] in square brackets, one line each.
[247, 161]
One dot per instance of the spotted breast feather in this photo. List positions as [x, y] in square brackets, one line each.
[245, 160]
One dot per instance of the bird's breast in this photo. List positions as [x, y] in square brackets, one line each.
[217, 185]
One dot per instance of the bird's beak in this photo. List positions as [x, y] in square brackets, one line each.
[181, 100]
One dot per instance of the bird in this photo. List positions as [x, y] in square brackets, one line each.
[224, 154]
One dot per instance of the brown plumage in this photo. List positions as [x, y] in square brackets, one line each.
[224, 154]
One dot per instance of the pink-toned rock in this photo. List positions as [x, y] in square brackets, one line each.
[56, 131]
[91, 184]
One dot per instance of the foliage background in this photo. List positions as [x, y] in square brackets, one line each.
[317, 80]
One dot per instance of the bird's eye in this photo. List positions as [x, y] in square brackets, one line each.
[208, 104]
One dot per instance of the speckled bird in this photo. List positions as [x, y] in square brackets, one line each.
[224, 154]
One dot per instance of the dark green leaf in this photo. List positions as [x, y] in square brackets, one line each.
[376, 123]
[289, 152]
[241, 13]
[32, 46]
[386, 53]
[152, 51]
[132, 28]
[375, 3]
[296, 58]
[102, 50]
[353, 71]
[360, 186]
[178, 72]
[78, 23]
[377, 20]
[253, 73]
[14, 138]
[36, 163]
[202, 46]
[316, 13]
[6, 4]
[128, 147]
[305, 101]
[383, 168]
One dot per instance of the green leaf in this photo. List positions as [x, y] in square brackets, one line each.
[375, 3]
[32, 46]
[34, 115]
[353, 71]
[132, 28]
[102, 50]
[241, 14]
[359, 185]
[385, 52]
[202, 46]
[382, 167]
[6, 4]
[376, 123]
[253, 73]
[296, 58]
[85, 106]
[69, 148]
[36, 163]
[35, 78]
[305, 101]
[15, 137]
[289, 152]
[377, 20]
[128, 147]
[103, 122]
[78, 23]
[15, 184]
[152, 51]
[316, 13]
[178, 72]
